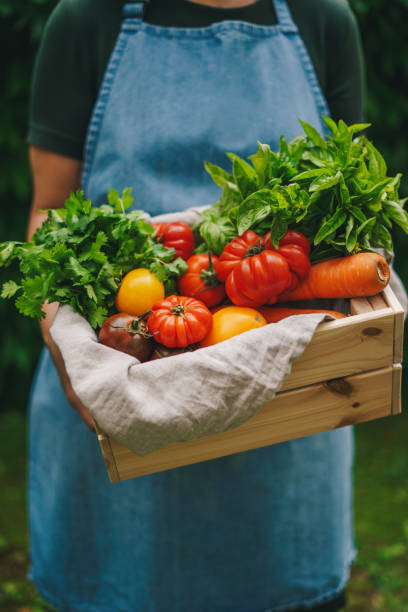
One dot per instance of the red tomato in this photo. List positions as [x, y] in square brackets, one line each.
[200, 280]
[241, 246]
[128, 334]
[291, 237]
[258, 279]
[176, 235]
[254, 275]
[295, 248]
[179, 321]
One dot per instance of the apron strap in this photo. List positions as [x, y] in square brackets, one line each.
[283, 15]
[135, 10]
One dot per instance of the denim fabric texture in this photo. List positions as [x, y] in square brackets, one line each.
[264, 530]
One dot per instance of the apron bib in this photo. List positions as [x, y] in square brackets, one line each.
[268, 529]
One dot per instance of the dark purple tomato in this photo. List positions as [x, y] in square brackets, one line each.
[127, 334]
[164, 351]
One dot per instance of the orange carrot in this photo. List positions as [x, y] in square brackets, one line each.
[357, 275]
[273, 314]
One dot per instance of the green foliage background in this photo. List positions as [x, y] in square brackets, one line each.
[383, 30]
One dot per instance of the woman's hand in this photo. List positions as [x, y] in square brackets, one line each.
[54, 178]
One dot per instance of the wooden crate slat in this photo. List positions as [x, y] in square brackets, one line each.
[396, 388]
[290, 415]
[106, 448]
[378, 302]
[344, 347]
[393, 303]
[360, 306]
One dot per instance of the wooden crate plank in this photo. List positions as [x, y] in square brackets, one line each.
[290, 415]
[106, 448]
[378, 302]
[396, 388]
[360, 306]
[393, 303]
[344, 347]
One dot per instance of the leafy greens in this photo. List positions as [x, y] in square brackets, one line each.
[336, 191]
[80, 254]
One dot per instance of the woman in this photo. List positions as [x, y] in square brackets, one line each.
[186, 81]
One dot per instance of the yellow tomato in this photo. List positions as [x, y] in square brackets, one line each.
[231, 321]
[138, 291]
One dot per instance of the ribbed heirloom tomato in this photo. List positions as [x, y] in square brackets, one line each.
[179, 321]
[295, 248]
[254, 275]
[138, 291]
[176, 235]
[200, 280]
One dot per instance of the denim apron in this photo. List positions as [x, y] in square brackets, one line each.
[268, 529]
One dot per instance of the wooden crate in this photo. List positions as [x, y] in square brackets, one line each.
[349, 373]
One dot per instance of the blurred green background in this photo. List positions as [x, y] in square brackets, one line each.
[380, 575]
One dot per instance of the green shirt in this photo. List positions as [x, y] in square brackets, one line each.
[80, 35]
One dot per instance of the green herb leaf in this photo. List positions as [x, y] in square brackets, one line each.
[313, 135]
[221, 177]
[397, 214]
[325, 182]
[9, 289]
[330, 225]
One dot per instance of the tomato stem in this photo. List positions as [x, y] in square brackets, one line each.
[209, 277]
[255, 250]
[178, 310]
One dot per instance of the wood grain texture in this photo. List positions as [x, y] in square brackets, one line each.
[360, 305]
[292, 414]
[394, 304]
[396, 388]
[378, 302]
[344, 347]
[106, 448]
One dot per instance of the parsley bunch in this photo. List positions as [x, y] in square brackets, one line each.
[336, 191]
[80, 254]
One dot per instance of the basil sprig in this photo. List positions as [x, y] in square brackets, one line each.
[335, 190]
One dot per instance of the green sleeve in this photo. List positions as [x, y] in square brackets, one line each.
[345, 76]
[65, 80]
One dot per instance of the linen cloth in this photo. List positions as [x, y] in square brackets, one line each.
[150, 405]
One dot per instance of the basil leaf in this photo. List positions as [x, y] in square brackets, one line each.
[343, 191]
[331, 224]
[313, 134]
[367, 226]
[221, 177]
[325, 182]
[358, 214]
[261, 161]
[257, 214]
[397, 214]
[217, 233]
[381, 237]
[358, 127]
[311, 174]
[331, 125]
[278, 229]
[349, 230]
[376, 162]
[245, 176]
